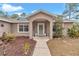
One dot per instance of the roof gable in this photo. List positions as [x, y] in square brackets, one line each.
[41, 11]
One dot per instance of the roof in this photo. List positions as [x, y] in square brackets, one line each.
[67, 20]
[11, 20]
[5, 19]
[41, 11]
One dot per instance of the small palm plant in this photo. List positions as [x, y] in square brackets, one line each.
[26, 47]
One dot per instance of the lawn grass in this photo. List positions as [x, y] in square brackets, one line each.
[64, 47]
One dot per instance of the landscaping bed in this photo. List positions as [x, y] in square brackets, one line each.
[15, 48]
[64, 47]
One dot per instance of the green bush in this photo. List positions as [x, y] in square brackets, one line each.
[57, 28]
[26, 47]
[10, 37]
[73, 31]
[7, 37]
[4, 36]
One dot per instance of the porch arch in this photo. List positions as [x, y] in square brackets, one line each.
[41, 20]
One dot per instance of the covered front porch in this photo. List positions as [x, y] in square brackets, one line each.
[41, 24]
[41, 28]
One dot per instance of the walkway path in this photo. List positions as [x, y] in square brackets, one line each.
[41, 48]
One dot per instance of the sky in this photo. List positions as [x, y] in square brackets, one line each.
[18, 8]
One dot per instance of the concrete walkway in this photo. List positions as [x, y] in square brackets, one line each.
[41, 48]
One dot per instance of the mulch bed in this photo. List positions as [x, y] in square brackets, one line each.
[15, 48]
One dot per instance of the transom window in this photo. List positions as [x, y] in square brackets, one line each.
[23, 28]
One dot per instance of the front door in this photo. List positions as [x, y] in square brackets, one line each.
[40, 29]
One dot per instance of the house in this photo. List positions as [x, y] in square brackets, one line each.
[39, 23]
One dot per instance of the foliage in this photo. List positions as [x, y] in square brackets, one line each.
[4, 36]
[73, 31]
[23, 14]
[7, 37]
[58, 27]
[10, 37]
[2, 13]
[14, 16]
[26, 47]
[70, 10]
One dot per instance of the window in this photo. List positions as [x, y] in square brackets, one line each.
[23, 28]
[20, 28]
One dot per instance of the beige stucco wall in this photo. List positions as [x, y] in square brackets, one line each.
[6, 28]
[14, 29]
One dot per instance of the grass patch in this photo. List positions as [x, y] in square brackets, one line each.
[64, 47]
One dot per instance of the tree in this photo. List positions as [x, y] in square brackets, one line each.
[57, 28]
[23, 14]
[70, 10]
[14, 16]
[2, 13]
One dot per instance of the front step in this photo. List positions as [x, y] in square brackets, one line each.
[41, 38]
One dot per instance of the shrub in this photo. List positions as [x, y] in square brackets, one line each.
[58, 31]
[57, 28]
[4, 36]
[26, 47]
[73, 31]
[7, 37]
[10, 37]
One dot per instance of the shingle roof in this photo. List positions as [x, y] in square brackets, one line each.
[10, 20]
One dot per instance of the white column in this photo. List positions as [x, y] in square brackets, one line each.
[30, 30]
[51, 30]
